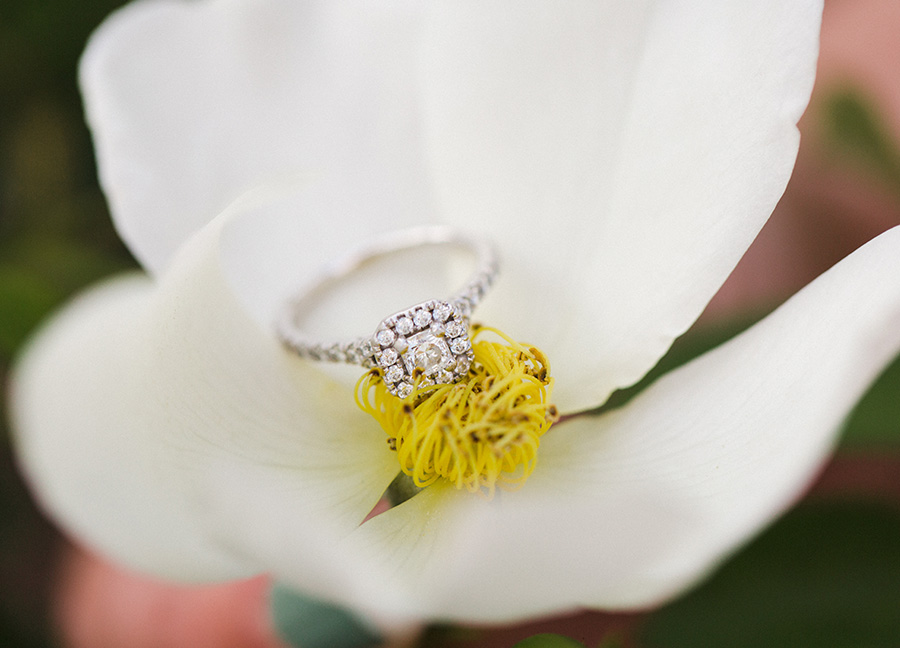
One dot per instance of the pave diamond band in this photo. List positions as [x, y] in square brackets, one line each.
[428, 342]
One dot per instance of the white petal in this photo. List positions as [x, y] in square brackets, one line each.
[229, 445]
[191, 104]
[627, 509]
[625, 154]
[86, 450]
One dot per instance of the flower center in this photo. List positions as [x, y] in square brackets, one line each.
[480, 433]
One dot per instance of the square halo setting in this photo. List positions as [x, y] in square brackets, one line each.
[432, 337]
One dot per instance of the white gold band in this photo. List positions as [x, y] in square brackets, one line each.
[427, 342]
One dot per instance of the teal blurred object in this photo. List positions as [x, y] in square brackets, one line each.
[310, 623]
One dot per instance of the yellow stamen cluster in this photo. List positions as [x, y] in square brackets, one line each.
[480, 433]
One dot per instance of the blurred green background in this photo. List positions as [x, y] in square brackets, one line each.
[827, 575]
[55, 237]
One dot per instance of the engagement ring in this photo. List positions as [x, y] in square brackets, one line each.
[425, 344]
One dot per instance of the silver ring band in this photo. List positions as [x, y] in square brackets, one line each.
[427, 343]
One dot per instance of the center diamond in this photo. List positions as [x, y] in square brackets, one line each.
[427, 352]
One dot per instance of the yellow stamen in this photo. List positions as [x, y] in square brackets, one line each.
[480, 433]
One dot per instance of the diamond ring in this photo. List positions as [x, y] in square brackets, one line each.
[425, 344]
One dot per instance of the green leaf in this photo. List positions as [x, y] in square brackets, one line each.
[875, 421]
[68, 265]
[826, 575]
[853, 127]
[548, 641]
[24, 301]
[692, 344]
[401, 489]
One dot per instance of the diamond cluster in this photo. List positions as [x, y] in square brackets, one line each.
[431, 337]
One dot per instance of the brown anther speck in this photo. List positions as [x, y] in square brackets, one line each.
[552, 413]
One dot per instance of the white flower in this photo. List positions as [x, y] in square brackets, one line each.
[622, 154]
